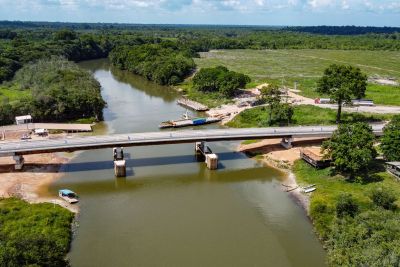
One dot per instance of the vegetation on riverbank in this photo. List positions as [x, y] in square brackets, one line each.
[302, 115]
[372, 236]
[34, 234]
[52, 90]
[164, 63]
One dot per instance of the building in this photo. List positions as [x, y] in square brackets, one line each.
[23, 119]
[394, 168]
[314, 158]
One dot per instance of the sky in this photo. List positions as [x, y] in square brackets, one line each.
[228, 12]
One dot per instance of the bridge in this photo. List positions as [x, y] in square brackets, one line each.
[20, 148]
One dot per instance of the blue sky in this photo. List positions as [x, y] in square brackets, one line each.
[249, 12]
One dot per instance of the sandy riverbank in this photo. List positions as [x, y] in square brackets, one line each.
[32, 182]
[274, 155]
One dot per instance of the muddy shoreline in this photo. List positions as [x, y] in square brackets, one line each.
[271, 153]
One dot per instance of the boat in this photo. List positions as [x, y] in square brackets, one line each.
[309, 190]
[68, 195]
[187, 121]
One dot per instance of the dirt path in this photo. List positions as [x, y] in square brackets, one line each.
[378, 109]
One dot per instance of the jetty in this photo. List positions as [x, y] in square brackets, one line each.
[192, 104]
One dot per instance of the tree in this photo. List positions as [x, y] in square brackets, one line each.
[272, 96]
[341, 83]
[390, 142]
[384, 198]
[279, 112]
[346, 206]
[351, 148]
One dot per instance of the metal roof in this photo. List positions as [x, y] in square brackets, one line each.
[25, 117]
[394, 163]
[66, 191]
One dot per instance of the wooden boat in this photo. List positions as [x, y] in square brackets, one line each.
[68, 195]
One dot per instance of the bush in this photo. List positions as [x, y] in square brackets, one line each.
[346, 206]
[384, 198]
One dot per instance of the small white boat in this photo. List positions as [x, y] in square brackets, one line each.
[309, 190]
[68, 195]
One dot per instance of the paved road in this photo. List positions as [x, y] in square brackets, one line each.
[164, 137]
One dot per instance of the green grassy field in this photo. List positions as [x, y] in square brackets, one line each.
[12, 93]
[303, 115]
[305, 66]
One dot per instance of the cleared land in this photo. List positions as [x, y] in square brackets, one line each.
[306, 65]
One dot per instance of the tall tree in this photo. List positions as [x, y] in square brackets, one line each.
[272, 96]
[342, 83]
[391, 140]
[351, 148]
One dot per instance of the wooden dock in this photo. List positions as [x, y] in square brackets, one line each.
[192, 104]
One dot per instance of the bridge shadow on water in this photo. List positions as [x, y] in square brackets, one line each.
[112, 185]
[131, 163]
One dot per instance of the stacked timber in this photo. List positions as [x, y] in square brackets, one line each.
[192, 104]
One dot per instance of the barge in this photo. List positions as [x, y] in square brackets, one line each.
[188, 122]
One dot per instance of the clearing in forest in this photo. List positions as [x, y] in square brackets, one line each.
[305, 66]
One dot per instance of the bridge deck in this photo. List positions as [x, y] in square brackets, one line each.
[164, 137]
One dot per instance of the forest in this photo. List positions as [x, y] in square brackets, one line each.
[52, 90]
[161, 53]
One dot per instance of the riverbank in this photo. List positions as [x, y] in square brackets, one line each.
[271, 152]
[32, 182]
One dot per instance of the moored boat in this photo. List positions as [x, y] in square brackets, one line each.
[68, 195]
[188, 122]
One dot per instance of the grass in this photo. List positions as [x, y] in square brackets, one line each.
[330, 187]
[303, 115]
[383, 94]
[12, 93]
[305, 66]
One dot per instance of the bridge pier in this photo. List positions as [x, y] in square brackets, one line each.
[203, 152]
[287, 142]
[119, 162]
[120, 168]
[19, 162]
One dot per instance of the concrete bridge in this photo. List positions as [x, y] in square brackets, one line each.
[20, 148]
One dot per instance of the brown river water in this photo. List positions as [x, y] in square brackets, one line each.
[171, 210]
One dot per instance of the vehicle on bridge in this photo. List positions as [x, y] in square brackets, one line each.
[68, 195]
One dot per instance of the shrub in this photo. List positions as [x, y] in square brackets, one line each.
[346, 206]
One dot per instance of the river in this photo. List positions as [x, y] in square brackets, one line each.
[171, 210]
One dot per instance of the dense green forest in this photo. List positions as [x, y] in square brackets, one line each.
[34, 234]
[161, 53]
[163, 63]
[23, 42]
[53, 90]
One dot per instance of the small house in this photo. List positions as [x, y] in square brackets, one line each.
[394, 168]
[23, 119]
[314, 158]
